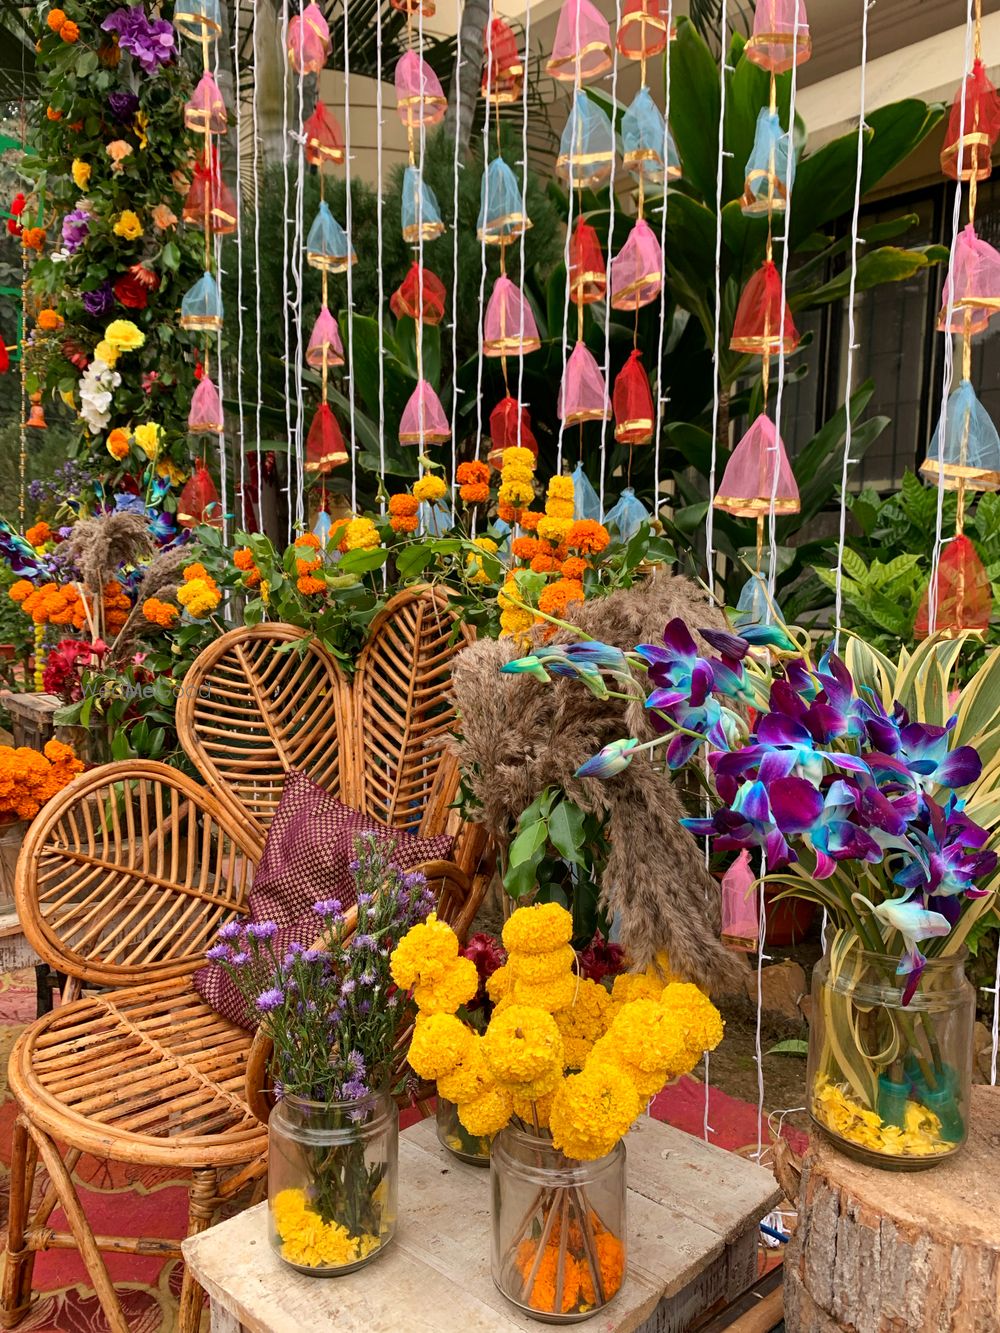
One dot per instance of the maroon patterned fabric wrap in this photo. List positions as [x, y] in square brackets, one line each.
[307, 857]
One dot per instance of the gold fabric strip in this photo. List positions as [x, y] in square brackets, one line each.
[197, 322]
[330, 263]
[741, 506]
[565, 68]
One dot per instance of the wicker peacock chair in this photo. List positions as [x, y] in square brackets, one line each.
[126, 876]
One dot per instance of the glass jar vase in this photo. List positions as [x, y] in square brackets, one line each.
[558, 1242]
[470, 1148]
[889, 1082]
[331, 1181]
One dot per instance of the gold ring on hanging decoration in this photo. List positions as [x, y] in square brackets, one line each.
[773, 201]
[195, 25]
[634, 430]
[741, 506]
[510, 345]
[764, 344]
[570, 69]
[507, 228]
[413, 234]
[798, 46]
[330, 263]
[197, 323]
[421, 109]
[566, 164]
[634, 297]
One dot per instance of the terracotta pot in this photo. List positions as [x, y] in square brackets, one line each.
[789, 921]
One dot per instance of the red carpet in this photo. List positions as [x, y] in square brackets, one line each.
[144, 1200]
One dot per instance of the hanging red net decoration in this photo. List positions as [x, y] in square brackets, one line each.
[325, 448]
[972, 128]
[642, 31]
[309, 44]
[199, 500]
[209, 198]
[758, 325]
[4, 357]
[503, 71]
[421, 295]
[324, 137]
[588, 275]
[632, 400]
[510, 425]
[964, 597]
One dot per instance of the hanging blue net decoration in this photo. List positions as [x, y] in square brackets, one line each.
[767, 181]
[501, 534]
[586, 501]
[587, 146]
[327, 246]
[501, 215]
[201, 306]
[643, 134]
[626, 517]
[198, 18]
[752, 606]
[971, 453]
[435, 519]
[421, 214]
[322, 527]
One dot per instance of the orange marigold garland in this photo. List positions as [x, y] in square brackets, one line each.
[160, 613]
[28, 778]
[473, 480]
[588, 536]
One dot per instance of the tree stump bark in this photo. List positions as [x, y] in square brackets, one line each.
[899, 1252]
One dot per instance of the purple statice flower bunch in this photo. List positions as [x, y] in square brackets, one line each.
[840, 798]
[150, 41]
[75, 229]
[330, 1005]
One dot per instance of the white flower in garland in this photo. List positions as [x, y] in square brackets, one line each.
[97, 385]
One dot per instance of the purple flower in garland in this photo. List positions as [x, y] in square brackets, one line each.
[123, 106]
[100, 300]
[75, 229]
[151, 42]
[269, 1000]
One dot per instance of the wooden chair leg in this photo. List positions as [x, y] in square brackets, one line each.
[82, 1233]
[19, 1260]
[203, 1201]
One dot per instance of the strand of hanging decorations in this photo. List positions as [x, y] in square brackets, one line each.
[964, 454]
[209, 205]
[671, 170]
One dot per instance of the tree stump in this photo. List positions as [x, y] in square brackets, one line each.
[899, 1252]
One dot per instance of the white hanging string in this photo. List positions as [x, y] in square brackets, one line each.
[380, 278]
[851, 329]
[758, 1045]
[717, 334]
[524, 202]
[661, 398]
[486, 215]
[223, 458]
[286, 223]
[255, 164]
[456, 168]
[298, 275]
[569, 236]
[772, 519]
[949, 348]
[611, 232]
[349, 229]
[238, 515]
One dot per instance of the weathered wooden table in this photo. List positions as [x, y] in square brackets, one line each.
[693, 1211]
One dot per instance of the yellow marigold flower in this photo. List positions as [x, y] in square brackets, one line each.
[646, 1084]
[199, 596]
[498, 985]
[439, 1044]
[424, 953]
[308, 1241]
[553, 529]
[429, 488]
[546, 966]
[80, 171]
[474, 565]
[147, 437]
[448, 992]
[118, 443]
[486, 1114]
[516, 492]
[128, 225]
[649, 1035]
[521, 1044]
[468, 1080]
[560, 509]
[105, 352]
[533, 1089]
[123, 335]
[539, 1108]
[592, 1110]
[515, 455]
[515, 623]
[548, 995]
[583, 1022]
[560, 488]
[697, 1016]
[360, 534]
[635, 986]
[537, 929]
[518, 472]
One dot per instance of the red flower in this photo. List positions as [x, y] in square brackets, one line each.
[18, 204]
[488, 955]
[14, 227]
[601, 959]
[130, 292]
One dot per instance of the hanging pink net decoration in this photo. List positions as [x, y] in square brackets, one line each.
[423, 421]
[780, 37]
[740, 917]
[325, 336]
[309, 44]
[749, 484]
[972, 287]
[420, 99]
[206, 111]
[509, 328]
[583, 395]
[582, 46]
[636, 273]
[205, 416]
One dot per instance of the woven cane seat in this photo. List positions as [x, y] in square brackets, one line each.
[144, 1074]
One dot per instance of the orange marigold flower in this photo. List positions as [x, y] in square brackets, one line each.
[308, 539]
[38, 534]
[243, 558]
[473, 473]
[505, 512]
[253, 577]
[18, 591]
[33, 238]
[56, 18]
[525, 548]
[543, 563]
[573, 567]
[403, 506]
[118, 443]
[529, 519]
[588, 536]
[195, 571]
[69, 31]
[52, 114]
[554, 599]
[49, 320]
[474, 492]
[307, 566]
[403, 522]
[307, 584]
[160, 613]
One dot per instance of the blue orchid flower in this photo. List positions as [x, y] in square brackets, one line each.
[948, 856]
[825, 821]
[614, 758]
[915, 924]
[746, 822]
[682, 676]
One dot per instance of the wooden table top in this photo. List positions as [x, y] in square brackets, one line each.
[686, 1201]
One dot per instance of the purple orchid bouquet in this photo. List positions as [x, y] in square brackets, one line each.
[855, 784]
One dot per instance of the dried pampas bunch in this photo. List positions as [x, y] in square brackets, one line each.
[101, 547]
[162, 579]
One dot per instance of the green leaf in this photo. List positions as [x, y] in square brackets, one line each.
[86, 64]
[875, 267]
[529, 841]
[361, 562]
[566, 831]
[793, 1046]
[694, 109]
[171, 256]
[520, 880]
[413, 560]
